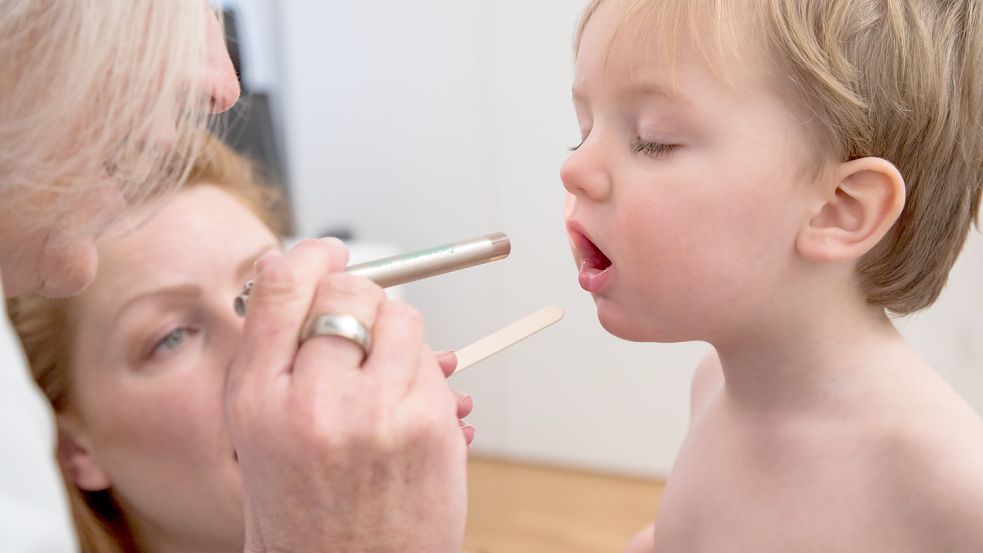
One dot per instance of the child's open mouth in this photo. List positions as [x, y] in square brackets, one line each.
[594, 265]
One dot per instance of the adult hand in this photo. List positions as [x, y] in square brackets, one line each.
[448, 362]
[341, 453]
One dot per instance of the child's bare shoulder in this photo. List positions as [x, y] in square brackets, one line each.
[937, 467]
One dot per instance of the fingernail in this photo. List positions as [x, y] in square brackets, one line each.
[268, 259]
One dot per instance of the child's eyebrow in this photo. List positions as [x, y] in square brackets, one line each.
[635, 90]
[640, 89]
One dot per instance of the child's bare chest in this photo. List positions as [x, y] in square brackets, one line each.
[738, 489]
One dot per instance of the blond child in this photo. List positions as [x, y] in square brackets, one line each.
[777, 177]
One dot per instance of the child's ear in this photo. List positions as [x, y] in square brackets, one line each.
[76, 460]
[860, 203]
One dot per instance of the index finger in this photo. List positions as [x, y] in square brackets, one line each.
[278, 306]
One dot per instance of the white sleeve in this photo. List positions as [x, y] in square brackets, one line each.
[34, 513]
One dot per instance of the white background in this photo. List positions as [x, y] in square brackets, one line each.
[418, 123]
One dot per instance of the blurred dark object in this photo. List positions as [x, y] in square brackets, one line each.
[249, 127]
[230, 20]
[341, 233]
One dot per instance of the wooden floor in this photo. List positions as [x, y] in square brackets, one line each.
[522, 508]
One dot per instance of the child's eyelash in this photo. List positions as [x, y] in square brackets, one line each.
[650, 148]
[654, 149]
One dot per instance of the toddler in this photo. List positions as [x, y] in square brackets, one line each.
[777, 177]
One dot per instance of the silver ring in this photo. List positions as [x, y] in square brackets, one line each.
[344, 326]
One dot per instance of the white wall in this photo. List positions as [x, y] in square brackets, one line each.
[950, 334]
[423, 122]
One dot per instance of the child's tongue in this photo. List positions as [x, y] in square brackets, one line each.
[596, 259]
[594, 263]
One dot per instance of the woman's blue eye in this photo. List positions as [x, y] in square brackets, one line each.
[654, 149]
[171, 341]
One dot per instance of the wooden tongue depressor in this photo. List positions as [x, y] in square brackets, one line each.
[507, 336]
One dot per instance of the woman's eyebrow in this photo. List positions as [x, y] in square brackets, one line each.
[190, 290]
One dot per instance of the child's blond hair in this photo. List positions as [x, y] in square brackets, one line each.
[896, 79]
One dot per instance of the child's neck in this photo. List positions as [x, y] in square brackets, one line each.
[829, 358]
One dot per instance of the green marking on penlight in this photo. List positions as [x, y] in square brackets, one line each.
[411, 257]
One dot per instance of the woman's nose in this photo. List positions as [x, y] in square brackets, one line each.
[221, 85]
[228, 329]
[584, 173]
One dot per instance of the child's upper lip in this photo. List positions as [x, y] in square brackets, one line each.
[583, 245]
[574, 228]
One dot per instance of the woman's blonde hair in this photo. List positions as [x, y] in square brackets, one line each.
[90, 87]
[896, 79]
[45, 328]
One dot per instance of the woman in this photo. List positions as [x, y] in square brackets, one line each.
[96, 100]
[154, 469]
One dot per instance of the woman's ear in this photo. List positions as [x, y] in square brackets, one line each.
[860, 203]
[75, 458]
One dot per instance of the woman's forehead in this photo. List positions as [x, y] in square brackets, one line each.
[202, 232]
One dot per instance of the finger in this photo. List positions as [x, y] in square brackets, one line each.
[431, 385]
[267, 260]
[447, 361]
[464, 404]
[279, 302]
[338, 294]
[468, 432]
[396, 355]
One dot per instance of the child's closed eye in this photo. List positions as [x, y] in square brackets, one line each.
[653, 149]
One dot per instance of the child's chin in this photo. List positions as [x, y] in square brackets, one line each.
[624, 326]
[617, 323]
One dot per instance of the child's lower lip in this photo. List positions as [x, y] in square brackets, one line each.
[593, 279]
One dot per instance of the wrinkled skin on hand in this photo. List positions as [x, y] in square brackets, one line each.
[341, 453]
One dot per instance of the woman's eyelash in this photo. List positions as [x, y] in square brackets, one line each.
[577, 147]
[654, 149]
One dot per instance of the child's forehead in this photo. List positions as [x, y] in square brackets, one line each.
[641, 41]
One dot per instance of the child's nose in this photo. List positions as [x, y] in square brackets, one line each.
[583, 174]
